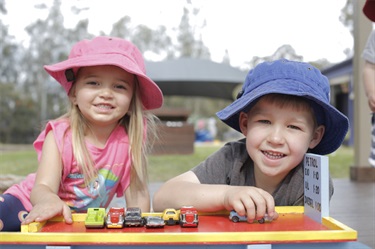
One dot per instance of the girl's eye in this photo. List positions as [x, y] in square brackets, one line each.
[120, 87]
[93, 83]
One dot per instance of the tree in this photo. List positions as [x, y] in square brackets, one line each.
[347, 15]
[283, 52]
[50, 42]
[29, 96]
[10, 73]
[147, 40]
[190, 45]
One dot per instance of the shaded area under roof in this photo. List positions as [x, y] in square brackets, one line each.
[195, 77]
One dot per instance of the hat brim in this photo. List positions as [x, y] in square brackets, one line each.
[151, 95]
[336, 124]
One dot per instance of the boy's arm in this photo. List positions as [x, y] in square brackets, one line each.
[186, 189]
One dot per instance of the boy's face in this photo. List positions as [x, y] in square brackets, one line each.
[278, 137]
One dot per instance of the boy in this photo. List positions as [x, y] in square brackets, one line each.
[283, 111]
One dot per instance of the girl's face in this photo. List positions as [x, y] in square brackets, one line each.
[103, 94]
[278, 136]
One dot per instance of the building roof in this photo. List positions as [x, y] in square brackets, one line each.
[196, 77]
[340, 72]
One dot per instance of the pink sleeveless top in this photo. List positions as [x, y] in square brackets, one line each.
[113, 164]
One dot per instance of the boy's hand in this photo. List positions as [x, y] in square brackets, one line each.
[48, 209]
[250, 201]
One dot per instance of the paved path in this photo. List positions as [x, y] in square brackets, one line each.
[353, 204]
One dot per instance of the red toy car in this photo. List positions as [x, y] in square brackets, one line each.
[115, 217]
[188, 216]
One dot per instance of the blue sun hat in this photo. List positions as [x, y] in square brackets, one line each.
[291, 78]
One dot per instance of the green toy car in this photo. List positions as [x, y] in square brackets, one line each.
[95, 218]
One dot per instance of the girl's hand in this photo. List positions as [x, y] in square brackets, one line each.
[250, 201]
[48, 209]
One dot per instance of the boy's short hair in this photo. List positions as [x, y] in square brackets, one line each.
[301, 103]
[291, 78]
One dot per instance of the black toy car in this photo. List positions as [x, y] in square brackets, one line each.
[133, 217]
[154, 222]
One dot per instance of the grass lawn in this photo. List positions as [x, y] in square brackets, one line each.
[22, 160]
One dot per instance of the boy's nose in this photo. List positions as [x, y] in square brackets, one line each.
[276, 136]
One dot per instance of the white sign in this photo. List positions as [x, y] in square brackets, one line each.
[316, 178]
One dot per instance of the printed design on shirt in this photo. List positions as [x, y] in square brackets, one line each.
[75, 176]
[22, 215]
[1, 199]
[96, 194]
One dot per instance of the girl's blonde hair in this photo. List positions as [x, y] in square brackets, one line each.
[138, 124]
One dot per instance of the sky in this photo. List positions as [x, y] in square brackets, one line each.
[245, 28]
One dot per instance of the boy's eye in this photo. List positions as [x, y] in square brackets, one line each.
[294, 127]
[263, 121]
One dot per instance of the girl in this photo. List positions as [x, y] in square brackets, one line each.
[97, 149]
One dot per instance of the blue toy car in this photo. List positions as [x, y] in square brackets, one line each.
[233, 216]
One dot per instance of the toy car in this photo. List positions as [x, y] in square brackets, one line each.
[171, 216]
[154, 222]
[95, 218]
[133, 217]
[115, 217]
[233, 216]
[188, 216]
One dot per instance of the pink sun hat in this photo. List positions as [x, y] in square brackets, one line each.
[114, 51]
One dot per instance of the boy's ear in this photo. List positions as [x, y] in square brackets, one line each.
[317, 136]
[243, 123]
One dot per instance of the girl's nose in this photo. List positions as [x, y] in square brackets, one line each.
[106, 92]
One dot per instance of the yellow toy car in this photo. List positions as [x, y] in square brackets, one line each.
[171, 216]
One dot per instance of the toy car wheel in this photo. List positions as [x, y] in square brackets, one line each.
[235, 219]
[261, 221]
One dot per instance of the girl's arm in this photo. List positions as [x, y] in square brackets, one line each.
[138, 198]
[186, 189]
[46, 202]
